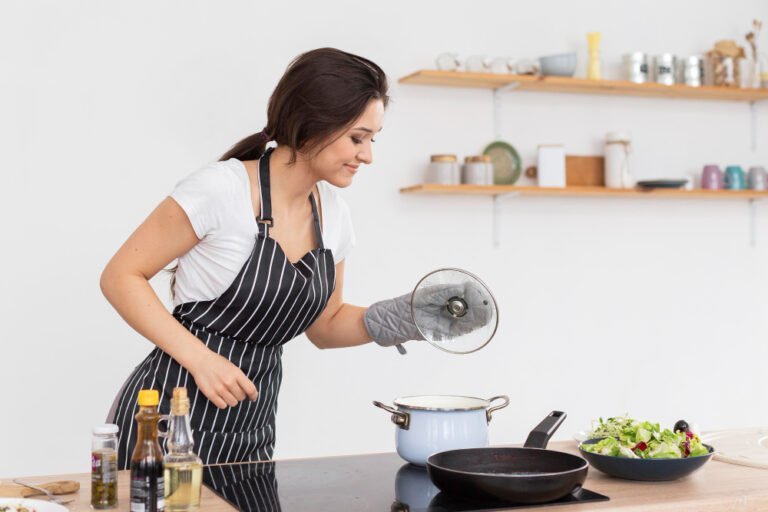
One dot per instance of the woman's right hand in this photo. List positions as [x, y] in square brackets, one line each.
[221, 381]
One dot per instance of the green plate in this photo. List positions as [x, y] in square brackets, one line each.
[506, 162]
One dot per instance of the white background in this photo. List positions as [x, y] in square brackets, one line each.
[651, 307]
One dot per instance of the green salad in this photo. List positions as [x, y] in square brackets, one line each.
[626, 437]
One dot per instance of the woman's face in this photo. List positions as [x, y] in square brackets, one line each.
[338, 162]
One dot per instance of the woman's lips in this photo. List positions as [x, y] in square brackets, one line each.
[351, 168]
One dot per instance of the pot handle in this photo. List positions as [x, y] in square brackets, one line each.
[490, 410]
[539, 436]
[399, 418]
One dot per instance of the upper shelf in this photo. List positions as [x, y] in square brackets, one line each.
[580, 85]
[496, 190]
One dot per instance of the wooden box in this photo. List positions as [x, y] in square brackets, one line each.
[584, 171]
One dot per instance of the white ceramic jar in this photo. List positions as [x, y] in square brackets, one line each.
[477, 170]
[443, 170]
[617, 168]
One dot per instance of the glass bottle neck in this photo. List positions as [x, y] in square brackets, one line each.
[179, 434]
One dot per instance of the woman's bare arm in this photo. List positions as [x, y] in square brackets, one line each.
[164, 236]
[340, 324]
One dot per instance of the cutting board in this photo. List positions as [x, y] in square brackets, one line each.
[11, 490]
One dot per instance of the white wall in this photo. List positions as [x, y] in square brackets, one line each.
[656, 308]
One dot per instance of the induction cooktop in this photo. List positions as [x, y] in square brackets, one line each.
[381, 482]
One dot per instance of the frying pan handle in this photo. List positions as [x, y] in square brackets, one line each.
[399, 418]
[539, 436]
[490, 410]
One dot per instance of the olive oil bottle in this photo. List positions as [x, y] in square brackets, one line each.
[183, 469]
[147, 487]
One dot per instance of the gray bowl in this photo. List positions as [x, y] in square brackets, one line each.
[649, 470]
[563, 64]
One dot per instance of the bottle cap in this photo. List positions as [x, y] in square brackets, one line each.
[107, 428]
[148, 397]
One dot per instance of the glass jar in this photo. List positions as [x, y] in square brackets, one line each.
[104, 467]
[443, 170]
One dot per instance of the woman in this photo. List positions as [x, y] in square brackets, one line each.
[260, 238]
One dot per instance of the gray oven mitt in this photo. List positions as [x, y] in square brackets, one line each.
[389, 322]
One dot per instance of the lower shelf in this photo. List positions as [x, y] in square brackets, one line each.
[497, 190]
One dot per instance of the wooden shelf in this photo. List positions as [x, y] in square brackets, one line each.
[500, 190]
[581, 86]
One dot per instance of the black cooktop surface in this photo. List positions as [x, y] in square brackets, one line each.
[382, 482]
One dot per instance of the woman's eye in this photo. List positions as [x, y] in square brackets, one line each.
[356, 140]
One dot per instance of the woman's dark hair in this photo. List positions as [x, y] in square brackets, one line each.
[322, 92]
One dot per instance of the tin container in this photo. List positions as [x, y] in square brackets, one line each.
[477, 170]
[664, 68]
[690, 71]
[636, 68]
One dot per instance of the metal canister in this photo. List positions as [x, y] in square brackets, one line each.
[664, 67]
[691, 71]
[636, 67]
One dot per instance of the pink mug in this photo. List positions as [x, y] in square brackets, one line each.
[712, 177]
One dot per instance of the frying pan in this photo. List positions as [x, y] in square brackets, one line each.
[521, 475]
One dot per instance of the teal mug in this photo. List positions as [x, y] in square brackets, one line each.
[734, 178]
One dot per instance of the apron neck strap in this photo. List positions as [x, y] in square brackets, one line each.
[265, 220]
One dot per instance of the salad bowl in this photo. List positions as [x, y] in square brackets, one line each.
[652, 470]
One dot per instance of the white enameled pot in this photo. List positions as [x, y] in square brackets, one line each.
[435, 423]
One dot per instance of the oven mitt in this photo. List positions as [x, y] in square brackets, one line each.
[389, 322]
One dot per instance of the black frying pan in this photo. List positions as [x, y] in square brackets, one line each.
[520, 475]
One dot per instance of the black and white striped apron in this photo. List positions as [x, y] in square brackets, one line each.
[270, 302]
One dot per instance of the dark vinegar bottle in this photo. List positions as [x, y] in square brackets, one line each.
[147, 486]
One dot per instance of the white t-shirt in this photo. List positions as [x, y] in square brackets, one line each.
[217, 200]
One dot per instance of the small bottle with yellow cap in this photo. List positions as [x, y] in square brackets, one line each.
[147, 485]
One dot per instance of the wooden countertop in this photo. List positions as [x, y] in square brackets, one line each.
[718, 486]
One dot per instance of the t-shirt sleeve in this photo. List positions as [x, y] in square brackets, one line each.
[198, 195]
[346, 238]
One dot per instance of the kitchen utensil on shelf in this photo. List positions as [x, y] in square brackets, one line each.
[432, 423]
[551, 165]
[734, 178]
[507, 165]
[23, 491]
[757, 178]
[477, 64]
[744, 446]
[593, 67]
[563, 64]
[443, 170]
[51, 496]
[711, 177]
[650, 470]
[28, 504]
[448, 62]
[584, 171]
[530, 474]
[472, 306]
[477, 170]
[636, 68]
[650, 184]
[664, 69]
[618, 172]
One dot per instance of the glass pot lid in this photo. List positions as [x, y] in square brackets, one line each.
[454, 310]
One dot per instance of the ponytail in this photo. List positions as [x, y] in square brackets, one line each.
[250, 148]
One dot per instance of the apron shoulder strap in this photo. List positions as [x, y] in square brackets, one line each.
[316, 218]
[264, 220]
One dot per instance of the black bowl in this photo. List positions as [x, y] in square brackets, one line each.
[650, 470]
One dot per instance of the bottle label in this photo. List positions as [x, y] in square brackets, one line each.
[145, 498]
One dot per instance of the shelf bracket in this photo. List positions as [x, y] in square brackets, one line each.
[497, 92]
[496, 215]
[753, 125]
[753, 222]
